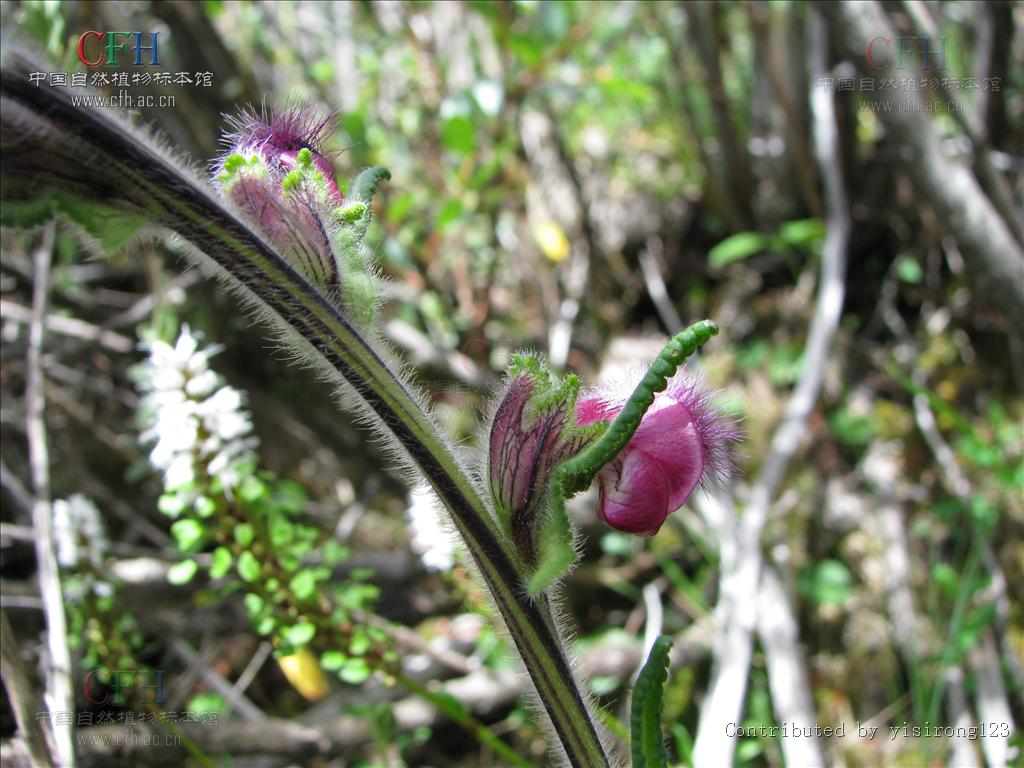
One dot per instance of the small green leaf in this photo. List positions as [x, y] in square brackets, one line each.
[355, 671]
[300, 634]
[244, 534]
[909, 270]
[946, 577]
[265, 625]
[332, 661]
[248, 567]
[804, 233]
[182, 573]
[322, 70]
[221, 563]
[619, 544]
[827, 583]
[205, 506]
[458, 134]
[254, 605]
[171, 504]
[450, 213]
[206, 703]
[189, 534]
[303, 585]
[111, 225]
[736, 248]
[359, 644]
[333, 553]
[252, 490]
[280, 530]
[290, 497]
[646, 741]
[850, 428]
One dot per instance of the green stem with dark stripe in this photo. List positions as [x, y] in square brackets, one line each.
[59, 158]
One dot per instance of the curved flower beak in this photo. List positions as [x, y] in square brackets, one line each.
[682, 442]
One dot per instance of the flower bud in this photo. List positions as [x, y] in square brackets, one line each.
[275, 172]
[682, 443]
[530, 435]
[286, 141]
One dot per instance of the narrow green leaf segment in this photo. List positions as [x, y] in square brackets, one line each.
[557, 553]
[646, 743]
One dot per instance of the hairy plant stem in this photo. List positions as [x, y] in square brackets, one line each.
[50, 147]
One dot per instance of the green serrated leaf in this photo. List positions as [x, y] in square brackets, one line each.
[646, 741]
[365, 184]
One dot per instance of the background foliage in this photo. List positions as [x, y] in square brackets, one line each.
[582, 179]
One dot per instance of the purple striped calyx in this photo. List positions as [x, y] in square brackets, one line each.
[532, 432]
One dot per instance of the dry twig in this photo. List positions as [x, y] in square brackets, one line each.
[59, 696]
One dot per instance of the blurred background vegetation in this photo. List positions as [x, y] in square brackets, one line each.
[580, 179]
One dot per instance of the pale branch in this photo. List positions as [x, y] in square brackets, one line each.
[787, 678]
[245, 708]
[59, 696]
[650, 258]
[992, 704]
[995, 257]
[962, 751]
[24, 700]
[69, 326]
[742, 559]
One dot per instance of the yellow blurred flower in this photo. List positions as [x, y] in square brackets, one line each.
[551, 240]
[303, 671]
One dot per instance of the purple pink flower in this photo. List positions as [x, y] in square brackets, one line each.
[682, 443]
